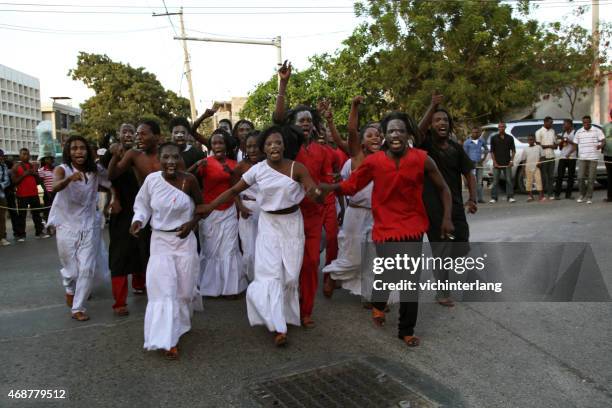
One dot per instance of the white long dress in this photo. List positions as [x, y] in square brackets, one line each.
[73, 214]
[247, 230]
[272, 297]
[221, 267]
[355, 232]
[173, 265]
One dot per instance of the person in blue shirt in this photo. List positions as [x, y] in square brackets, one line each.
[477, 150]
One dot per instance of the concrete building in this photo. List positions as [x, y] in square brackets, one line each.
[62, 117]
[19, 111]
[228, 110]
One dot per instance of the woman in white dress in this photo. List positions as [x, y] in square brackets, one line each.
[73, 214]
[167, 198]
[358, 221]
[272, 298]
[248, 207]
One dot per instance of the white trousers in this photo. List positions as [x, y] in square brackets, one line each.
[77, 255]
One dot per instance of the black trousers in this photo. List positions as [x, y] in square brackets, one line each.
[608, 160]
[34, 204]
[409, 310]
[570, 166]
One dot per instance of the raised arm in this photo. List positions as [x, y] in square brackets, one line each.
[436, 99]
[326, 110]
[354, 144]
[445, 196]
[284, 73]
[196, 125]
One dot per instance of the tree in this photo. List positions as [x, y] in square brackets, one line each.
[122, 94]
[486, 57]
[567, 61]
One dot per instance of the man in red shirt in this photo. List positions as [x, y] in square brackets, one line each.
[25, 179]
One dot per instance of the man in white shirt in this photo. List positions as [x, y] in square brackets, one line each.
[546, 138]
[590, 141]
[567, 160]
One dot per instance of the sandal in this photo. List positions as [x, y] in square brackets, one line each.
[446, 302]
[121, 311]
[280, 339]
[69, 299]
[307, 322]
[172, 354]
[411, 341]
[378, 317]
[80, 316]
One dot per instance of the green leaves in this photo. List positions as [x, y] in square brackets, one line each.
[123, 94]
[487, 57]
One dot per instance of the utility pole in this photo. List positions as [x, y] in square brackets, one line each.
[187, 64]
[275, 42]
[596, 111]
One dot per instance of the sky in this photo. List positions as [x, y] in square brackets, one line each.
[43, 37]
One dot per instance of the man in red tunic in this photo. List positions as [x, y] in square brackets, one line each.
[397, 205]
[317, 161]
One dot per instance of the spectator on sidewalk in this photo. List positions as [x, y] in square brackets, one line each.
[477, 150]
[546, 137]
[567, 161]
[607, 151]
[590, 141]
[533, 155]
[9, 193]
[5, 182]
[502, 153]
[25, 179]
[45, 173]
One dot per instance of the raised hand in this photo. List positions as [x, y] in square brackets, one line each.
[324, 107]
[358, 100]
[436, 98]
[284, 72]
[209, 112]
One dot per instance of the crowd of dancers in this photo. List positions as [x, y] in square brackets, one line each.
[249, 216]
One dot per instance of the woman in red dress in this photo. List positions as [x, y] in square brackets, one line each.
[221, 267]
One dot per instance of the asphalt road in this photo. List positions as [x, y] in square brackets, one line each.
[480, 354]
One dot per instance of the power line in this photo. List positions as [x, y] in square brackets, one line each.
[145, 13]
[170, 19]
[124, 6]
[46, 30]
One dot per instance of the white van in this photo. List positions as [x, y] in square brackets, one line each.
[519, 130]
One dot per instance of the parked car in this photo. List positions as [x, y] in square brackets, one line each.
[519, 130]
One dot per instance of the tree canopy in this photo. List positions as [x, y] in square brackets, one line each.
[122, 94]
[486, 57]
